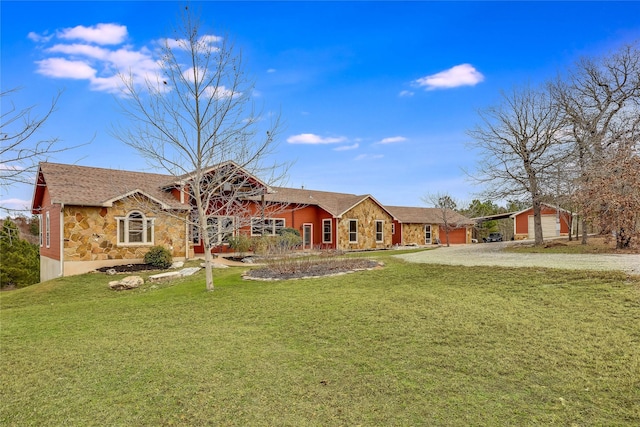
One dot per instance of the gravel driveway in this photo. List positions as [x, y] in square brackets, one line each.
[494, 254]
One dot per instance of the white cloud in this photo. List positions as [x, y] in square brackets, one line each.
[271, 70]
[103, 34]
[369, 157]
[39, 38]
[460, 75]
[64, 68]
[9, 167]
[15, 204]
[309, 138]
[183, 44]
[406, 93]
[392, 140]
[80, 49]
[347, 147]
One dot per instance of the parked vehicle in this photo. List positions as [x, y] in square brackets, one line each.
[493, 237]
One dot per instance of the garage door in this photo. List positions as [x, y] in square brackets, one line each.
[457, 236]
[548, 227]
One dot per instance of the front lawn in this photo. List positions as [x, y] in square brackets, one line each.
[595, 245]
[409, 344]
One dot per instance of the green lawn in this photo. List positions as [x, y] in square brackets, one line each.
[406, 345]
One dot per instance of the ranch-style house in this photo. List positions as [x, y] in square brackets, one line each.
[94, 217]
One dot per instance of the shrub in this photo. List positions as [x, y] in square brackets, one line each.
[240, 243]
[159, 257]
[289, 239]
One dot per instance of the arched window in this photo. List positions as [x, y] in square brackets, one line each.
[135, 229]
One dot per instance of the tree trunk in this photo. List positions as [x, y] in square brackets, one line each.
[208, 268]
[537, 222]
[584, 231]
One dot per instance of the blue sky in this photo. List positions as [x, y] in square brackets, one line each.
[376, 97]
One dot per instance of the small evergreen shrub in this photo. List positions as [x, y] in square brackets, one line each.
[240, 243]
[159, 257]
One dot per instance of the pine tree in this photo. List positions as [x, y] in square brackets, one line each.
[19, 259]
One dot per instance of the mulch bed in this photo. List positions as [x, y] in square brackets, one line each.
[312, 270]
[128, 268]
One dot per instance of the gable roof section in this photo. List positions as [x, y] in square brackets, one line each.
[337, 204]
[185, 178]
[89, 186]
[557, 208]
[415, 215]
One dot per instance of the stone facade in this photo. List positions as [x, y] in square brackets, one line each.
[413, 234]
[90, 233]
[366, 213]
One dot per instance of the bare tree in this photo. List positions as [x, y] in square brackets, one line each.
[446, 205]
[619, 181]
[196, 120]
[520, 140]
[599, 99]
[21, 151]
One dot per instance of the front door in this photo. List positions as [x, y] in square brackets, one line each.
[307, 236]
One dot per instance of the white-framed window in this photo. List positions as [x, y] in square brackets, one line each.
[327, 232]
[427, 234]
[266, 227]
[195, 228]
[220, 229]
[47, 230]
[379, 231]
[40, 229]
[135, 229]
[353, 231]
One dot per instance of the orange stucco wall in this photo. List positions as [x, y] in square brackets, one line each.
[295, 216]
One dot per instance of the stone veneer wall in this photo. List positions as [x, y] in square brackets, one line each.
[413, 234]
[90, 233]
[367, 213]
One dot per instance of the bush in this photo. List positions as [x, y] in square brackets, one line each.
[240, 243]
[159, 257]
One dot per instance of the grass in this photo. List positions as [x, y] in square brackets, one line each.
[595, 245]
[406, 345]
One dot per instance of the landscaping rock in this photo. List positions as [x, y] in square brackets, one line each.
[164, 277]
[111, 271]
[129, 282]
[177, 264]
[189, 271]
[214, 265]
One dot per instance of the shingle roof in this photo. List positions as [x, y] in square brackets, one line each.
[89, 186]
[334, 203]
[414, 215]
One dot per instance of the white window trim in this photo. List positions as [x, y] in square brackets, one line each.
[381, 239]
[330, 222]
[195, 229]
[41, 229]
[393, 228]
[430, 234]
[145, 224]
[356, 232]
[47, 230]
[272, 221]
